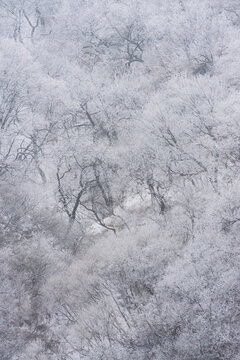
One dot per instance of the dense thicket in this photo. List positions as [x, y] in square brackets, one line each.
[119, 175]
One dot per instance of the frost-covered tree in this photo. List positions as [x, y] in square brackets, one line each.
[119, 173]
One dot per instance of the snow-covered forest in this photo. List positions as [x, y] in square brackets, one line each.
[119, 179]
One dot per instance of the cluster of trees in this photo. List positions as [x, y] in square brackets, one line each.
[119, 172]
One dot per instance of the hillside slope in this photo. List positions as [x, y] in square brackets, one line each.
[119, 180]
